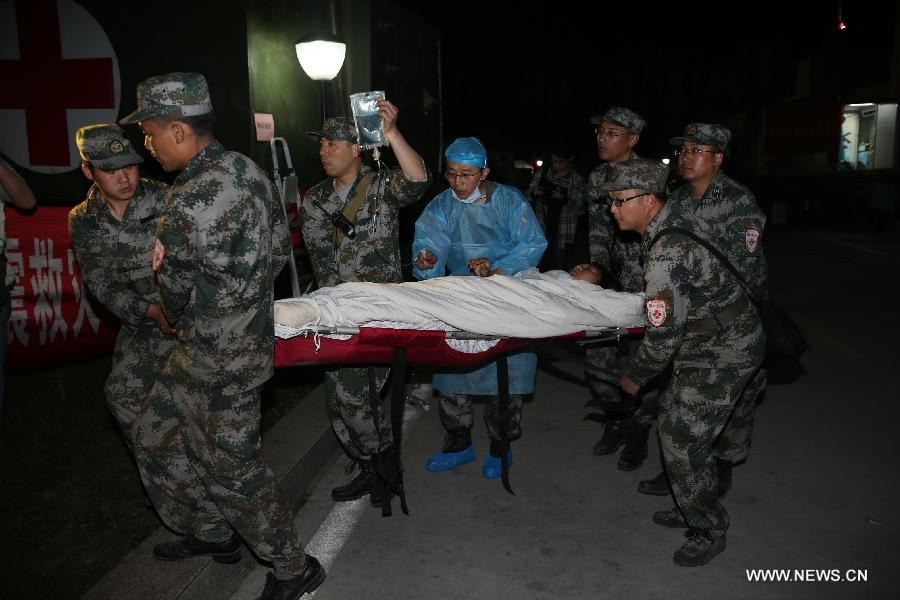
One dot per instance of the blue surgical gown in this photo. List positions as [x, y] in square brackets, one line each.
[505, 231]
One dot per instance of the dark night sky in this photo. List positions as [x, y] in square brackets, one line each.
[522, 74]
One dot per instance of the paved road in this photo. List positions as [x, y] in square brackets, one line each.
[819, 492]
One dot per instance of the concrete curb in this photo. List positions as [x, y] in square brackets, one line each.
[298, 449]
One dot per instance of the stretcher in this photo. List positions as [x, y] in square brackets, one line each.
[376, 346]
[398, 347]
[450, 322]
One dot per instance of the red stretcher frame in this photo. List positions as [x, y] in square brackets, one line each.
[375, 345]
[398, 347]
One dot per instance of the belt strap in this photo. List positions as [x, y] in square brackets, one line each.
[355, 202]
[722, 319]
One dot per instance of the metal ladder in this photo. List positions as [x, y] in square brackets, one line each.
[289, 190]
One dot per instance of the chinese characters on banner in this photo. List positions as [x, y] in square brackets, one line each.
[52, 319]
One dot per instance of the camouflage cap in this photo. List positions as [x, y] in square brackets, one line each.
[704, 133]
[339, 129]
[174, 95]
[623, 117]
[106, 147]
[638, 174]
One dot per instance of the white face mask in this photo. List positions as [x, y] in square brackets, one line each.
[471, 198]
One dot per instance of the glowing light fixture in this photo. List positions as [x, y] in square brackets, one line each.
[321, 55]
[665, 161]
[540, 163]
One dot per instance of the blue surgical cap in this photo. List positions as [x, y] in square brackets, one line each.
[468, 151]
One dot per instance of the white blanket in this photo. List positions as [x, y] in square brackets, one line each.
[529, 305]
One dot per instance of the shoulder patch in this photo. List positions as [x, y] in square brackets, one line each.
[657, 312]
[751, 239]
[159, 253]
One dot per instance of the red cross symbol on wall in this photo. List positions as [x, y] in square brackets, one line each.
[45, 84]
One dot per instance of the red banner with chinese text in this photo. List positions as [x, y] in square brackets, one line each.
[52, 320]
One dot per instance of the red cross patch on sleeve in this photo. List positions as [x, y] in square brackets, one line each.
[657, 311]
[751, 240]
[159, 253]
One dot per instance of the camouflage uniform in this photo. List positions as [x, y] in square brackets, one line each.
[372, 256]
[737, 224]
[456, 412]
[222, 240]
[700, 323]
[114, 259]
[618, 253]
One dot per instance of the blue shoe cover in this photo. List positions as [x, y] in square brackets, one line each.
[491, 467]
[447, 461]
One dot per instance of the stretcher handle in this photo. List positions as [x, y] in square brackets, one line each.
[606, 333]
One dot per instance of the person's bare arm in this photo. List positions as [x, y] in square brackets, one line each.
[20, 195]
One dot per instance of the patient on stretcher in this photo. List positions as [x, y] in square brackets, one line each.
[529, 305]
[586, 272]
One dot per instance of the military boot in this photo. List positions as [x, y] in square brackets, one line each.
[614, 436]
[228, 552]
[292, 589]
[358, 487]
[635, 452]
[701, 546]
[658, 486]
[670, 518]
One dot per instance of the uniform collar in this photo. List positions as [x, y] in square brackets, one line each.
[97, 206]
[655, 225]
[202, 159]
[714, 189]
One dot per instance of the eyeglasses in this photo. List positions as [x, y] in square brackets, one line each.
[618, 202]
[466, 177]
[607, 133]
[695, 151]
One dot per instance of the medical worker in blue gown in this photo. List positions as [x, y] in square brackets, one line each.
[481, 228]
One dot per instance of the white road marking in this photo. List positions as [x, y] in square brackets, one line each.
[333, 533]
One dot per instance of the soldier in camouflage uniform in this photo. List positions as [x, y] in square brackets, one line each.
[373, 255]
[737, 223]
[221, 242]
[15, 191]
[617, 253]
[113, 233]
[703, 325]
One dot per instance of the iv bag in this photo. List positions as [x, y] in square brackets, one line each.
[369, 126]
